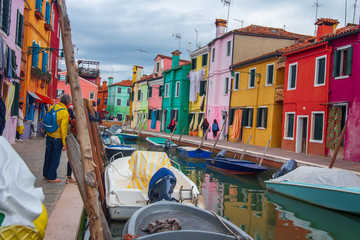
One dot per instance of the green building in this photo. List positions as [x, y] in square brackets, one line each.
[176, 95]
[118, 104]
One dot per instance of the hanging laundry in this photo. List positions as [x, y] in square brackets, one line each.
[236, 126]
[195, 78]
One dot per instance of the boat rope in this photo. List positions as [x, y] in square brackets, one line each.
[221, 221]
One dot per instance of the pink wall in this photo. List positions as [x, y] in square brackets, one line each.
[217, 100]
[155, 103]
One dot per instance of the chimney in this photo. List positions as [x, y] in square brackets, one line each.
[175, 59]
[111, 81]
[104, 85]
[220, 27]
[325, 26]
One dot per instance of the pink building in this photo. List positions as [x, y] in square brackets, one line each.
[89, 90]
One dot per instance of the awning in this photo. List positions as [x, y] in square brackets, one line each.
[41, 98]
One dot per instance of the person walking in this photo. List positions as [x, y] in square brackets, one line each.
[172, 125]
[20, 122]
[55, 142]
[205, 126]
[215, 128]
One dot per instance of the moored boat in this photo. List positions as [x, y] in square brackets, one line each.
[234, 166]
[184, 221]
[128, 183]
[160, 142]
[127, 136]
[114, 146]
[192, 152]
[331, 188]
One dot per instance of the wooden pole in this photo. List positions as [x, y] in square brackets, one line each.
[173, 131]
[267, 145]
[181, 136]
[341, 138]
[203, 138]
[101, 145]
[74, 156]
[136, 125]
[91, 204]
[142, 127]
[247, 144]
[217, 139]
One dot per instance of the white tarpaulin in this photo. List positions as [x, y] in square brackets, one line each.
[321, 176]
[20, 201]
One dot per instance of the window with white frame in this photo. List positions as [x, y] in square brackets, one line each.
[128, 103]
[58, 29]
[142, 96]
[252, 77]
[19, 29]
[129, 91]
[226, 86]
[320, 70]
[167, 90]
[261, 118]
[204, 59]
[270, 74]
[289, 125]
[119, 90]
[50, 61]
[317, 126]
[342, 63]
[213, 55]
[139, 95]
[91, 95]
[247, 117]
[236, 81]
[228, 48]
[292, 77]
[157, 67]
[52, 19]
[118, 102]
[177, 89]
[105, 101]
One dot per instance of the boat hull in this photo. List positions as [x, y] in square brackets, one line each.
[128, 136]
[197, 153]
[126, 150]
[159, 142]
[342, 199]
[237, 167]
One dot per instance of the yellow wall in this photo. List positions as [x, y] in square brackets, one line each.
[136, 104]
[256, 97]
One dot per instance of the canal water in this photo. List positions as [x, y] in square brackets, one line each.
[264, 215]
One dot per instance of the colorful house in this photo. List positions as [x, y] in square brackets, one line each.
[306, 91]
[88, 89]
[135, 97]
[256, 100]
[90, 70]
[118, 104]
[102, 99]
[197, 94]
[234, 47]
[144, 101]
[12, 26]
[175, 102]
[344, 93]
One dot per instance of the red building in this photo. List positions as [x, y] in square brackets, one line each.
[102, 99]
[306, 87]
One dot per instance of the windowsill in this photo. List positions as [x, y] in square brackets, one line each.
[290, 89]
[236, 89]
[288, 138]
[341, 77]
[269, 84]
[316, 141]
[319, 85]
[262, 128]
[251, 87]
[248, 127]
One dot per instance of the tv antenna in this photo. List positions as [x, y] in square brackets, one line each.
[177, 36]
[242, 22]
[227, 2]
[197, 45]
[317, 5]
[354, 11]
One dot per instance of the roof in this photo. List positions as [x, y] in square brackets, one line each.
[163, 56]
[327, 21]
[348, 29]
[125, 83]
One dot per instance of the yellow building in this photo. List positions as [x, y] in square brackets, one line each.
[256, 100]
[137, 70]
[198, 87]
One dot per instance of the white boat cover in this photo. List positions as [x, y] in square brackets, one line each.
[144, 164]
[321, 176]
[20, 201]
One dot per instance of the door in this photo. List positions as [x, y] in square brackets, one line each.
[163, 121]
[301, 134]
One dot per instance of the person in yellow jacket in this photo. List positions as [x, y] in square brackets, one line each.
[55, 142]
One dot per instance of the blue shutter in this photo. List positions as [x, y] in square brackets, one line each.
[45, 62]
[47, 13]
[38, 5]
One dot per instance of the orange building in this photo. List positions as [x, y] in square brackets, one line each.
[102, 99]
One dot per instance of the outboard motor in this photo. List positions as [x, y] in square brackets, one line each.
[286, 168]
[118, 131]
[114, 140]
[221, 154]
[162, 185]
[167, 145]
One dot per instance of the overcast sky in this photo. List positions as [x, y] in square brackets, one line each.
[120, 34]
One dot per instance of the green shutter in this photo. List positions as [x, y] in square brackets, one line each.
[6, 17]
[336, 64]
[150, 92]
[244, 118]
[15, 105]
[265, 116]
[231, 117]
[251, 113]
[201, 91]
[349, 60]
[258, 117]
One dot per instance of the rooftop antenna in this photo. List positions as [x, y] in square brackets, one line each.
[227, 2]
[242, 22]
[354, 11]
[317, 5]
[345, 11]
[197, 45]
[177, 36]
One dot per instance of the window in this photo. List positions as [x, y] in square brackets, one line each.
[38, 5]
[98, 101]
[269, 74]
[150, 114]
[62, 77]
[139, 95]
[292, 76]
[35, 55]
[317, 126]
[204, 59]
[50, 61]
[342, 64]
[177, 89]
[226, 86]
[91, 95]
[132, 95]
[213, 55]
[261, 118]
[236, 81]
[105, 101]
[118, 102]
[119, 90]
[289, 125]
[228, 48]
[193, 64]
[320, 69]
[5, 11]
[47, 13]
[150, 92]
[231, 116]
[119, 116]
[247, 117]
[142, 96]
[174, 114]
[202, 90]
[252, 76]
[58, 32]
[157, 67]
[161, 90]
[128, 103]
[45, 62]
[167, 90]
[52, 19]
[59, 92]
[19, 29]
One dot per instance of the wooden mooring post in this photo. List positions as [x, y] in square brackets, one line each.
[172, 133]
[136, 125]
[203, 138]
[247, 144]
[341, 138]
[180, 136]
[222, 128]
[142, 127]
[267, 146]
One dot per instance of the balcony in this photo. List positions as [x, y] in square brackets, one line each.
[88, 69]
[279, 93]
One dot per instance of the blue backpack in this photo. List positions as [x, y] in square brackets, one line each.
[50, 120]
